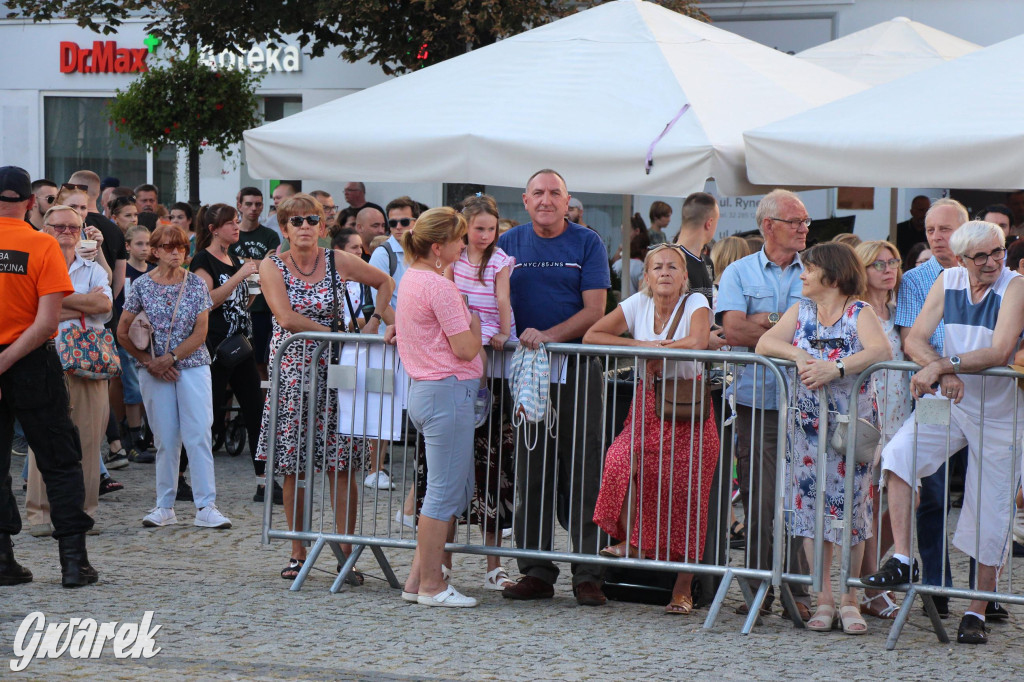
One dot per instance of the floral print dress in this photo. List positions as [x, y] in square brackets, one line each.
[840, 341]
[330, 449]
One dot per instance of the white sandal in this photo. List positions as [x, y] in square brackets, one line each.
[888, 612]
[450, 598]
[497, 580]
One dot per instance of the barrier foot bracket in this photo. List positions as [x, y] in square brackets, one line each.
[786, 597]
[716, 604]
[314, 552]
[755, 607]
[933, 615]
[901, 618]
[347, 565]
[385, 566]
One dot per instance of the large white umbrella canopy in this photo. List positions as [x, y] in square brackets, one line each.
[958, 124]
[887, 51]
[587, 95]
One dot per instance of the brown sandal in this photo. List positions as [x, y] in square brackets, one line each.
[622, 551]
[680, 605]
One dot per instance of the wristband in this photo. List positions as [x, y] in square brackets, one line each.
[376, 316]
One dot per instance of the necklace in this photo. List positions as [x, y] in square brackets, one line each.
[300, 270]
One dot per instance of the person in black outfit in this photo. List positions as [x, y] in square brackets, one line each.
[911, 232]
[33, 283]
[225, 274]
[699, 222]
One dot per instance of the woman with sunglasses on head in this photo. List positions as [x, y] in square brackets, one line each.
[881, 261]
[124, 212]
[301, 287]
[176, 382]
[230, 325]
[832, 336]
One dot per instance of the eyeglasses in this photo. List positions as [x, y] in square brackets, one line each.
[802, 222]
[395, 222]
[836, 342]
[296, 220]
[71, 185]
[58, 228]
[982, 258]
[883, 265]
[172, 247]
[330, 209]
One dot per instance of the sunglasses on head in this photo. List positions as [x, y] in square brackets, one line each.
[404, 222]
[297, 220]
[123, 201]
[71, 185]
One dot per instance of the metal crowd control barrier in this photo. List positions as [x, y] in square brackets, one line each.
[557, 468]
[1008, 477]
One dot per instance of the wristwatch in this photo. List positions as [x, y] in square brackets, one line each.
[173, 356]
[955, 361]
[377, 317]
[773, 319]
[841, 367]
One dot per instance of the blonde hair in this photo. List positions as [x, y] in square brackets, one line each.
[848, 238]
[377, 241]
[726, 252]
[645, 288]
[868, 252]
[60, 207]
[437, 226]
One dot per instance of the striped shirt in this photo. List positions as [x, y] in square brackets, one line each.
[970, 326]
[482, 295]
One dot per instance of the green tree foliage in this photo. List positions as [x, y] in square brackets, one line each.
[397, 35]
[187, 102]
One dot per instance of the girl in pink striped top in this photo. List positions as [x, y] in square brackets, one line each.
[482, 275]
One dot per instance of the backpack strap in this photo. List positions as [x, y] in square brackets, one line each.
[392, 259]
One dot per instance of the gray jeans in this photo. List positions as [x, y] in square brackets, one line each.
[565, 470]
[443, 412]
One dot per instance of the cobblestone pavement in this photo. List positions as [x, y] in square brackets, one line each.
[225, 614]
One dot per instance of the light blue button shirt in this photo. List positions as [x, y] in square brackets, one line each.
[914, 288]
[754, 285]
[379, 259]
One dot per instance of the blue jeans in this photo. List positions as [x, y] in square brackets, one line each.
[930, 537]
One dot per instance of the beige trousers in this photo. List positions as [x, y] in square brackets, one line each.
[90, 408]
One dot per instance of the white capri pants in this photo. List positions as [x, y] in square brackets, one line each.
[983, 531]
[181, 412]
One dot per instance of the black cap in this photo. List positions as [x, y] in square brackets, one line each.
[109, 182]
[14, 179]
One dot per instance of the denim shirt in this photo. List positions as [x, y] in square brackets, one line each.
[914, 288]
[754, 285]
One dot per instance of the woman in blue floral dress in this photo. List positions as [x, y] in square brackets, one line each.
[831, 336]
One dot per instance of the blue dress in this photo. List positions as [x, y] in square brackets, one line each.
[803, 431]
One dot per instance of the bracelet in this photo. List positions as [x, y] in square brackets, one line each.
[376, 316]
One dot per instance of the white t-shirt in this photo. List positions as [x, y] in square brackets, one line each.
[639, 312]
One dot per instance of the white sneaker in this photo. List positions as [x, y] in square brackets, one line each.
[379, 480]
[450, 598]
[210, 517]
[408, 520]
[159, 516]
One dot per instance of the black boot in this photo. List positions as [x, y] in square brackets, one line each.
[11, 572]
[74, 562]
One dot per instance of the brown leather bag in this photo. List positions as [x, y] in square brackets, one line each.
[682, 400]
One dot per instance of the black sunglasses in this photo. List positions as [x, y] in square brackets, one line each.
[50, 198]
[122, 201]
[404, 222]
[296, 220]
[818, 344]
[71, 185]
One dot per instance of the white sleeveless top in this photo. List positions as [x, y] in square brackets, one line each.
[970, 326]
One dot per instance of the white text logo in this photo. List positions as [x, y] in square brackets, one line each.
[82, 638]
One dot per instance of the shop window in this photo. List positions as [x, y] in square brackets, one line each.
[78, 136]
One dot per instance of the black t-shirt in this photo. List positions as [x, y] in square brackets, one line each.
[231, 317]
[130, 275]
[257, 245]
[907, 235]
[113, 239]
[701, 274]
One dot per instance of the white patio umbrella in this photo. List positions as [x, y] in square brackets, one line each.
[958, 124]
[589, 95]
[887, 51]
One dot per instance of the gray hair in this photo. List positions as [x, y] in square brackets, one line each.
[960, 210]
[769, 206]
[973, 234]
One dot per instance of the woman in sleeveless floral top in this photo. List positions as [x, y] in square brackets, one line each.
[298, 289]
[832, 337]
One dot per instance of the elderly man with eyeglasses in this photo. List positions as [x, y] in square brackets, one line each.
[753, 294]
[981, 303]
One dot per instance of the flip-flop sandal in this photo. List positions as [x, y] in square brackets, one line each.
[680, 606]
[354, 577]
[294, 566]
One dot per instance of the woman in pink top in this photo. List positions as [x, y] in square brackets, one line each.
[439, 343]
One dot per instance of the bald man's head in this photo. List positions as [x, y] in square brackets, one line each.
[369, 224]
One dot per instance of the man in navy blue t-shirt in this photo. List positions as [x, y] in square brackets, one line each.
[558, 289]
